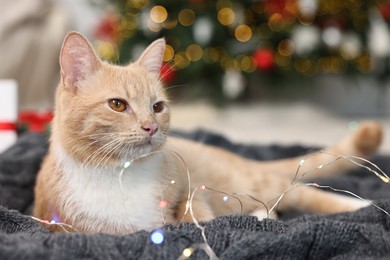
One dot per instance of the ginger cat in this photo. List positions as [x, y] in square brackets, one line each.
[113, 168]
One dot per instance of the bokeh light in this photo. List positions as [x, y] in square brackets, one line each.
[243, 33]
[186, 17]
[226, 16]
[158, 14]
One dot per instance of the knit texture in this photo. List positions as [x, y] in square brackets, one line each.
[362, 234]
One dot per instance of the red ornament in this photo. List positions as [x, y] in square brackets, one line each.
[385, 11]
[34, 121]
[286, 8]
[264, 59]
[166, 73]
[107, 29]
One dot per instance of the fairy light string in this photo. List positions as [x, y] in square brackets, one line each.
[351, 158]
[65, 227]
[157, 236]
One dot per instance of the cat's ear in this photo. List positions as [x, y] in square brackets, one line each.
[152, 57]
[77, 60]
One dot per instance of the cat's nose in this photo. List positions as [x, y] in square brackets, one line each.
[150, 128]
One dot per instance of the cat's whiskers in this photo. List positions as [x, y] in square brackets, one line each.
[176, 86]
[121, 149]
[106, 147]
[120, 144]
[82, 149]
[109, 152]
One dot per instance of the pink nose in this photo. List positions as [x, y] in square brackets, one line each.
[150, 128]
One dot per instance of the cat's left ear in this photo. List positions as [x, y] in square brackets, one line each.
[152, 57]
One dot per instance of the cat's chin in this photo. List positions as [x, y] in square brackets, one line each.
[143, 150]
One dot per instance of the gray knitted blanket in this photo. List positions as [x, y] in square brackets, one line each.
[362, 234]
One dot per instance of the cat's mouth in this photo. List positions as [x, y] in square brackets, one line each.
[147, 145]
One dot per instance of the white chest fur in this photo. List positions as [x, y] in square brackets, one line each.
[106, 200]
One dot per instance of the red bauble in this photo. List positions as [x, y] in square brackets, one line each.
[264, 59]
[35, 122]
[385, 10]
[107, 29]
[166, 73]
[287, 8]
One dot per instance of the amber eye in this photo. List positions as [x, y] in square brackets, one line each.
[158, 107]
[117, 105]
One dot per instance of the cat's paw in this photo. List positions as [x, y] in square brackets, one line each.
[353, 204]
[368, 138]
[263, 214]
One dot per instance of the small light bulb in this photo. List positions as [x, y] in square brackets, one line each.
[157, 236]
[163, 204]
[187, 252]
[127, 164]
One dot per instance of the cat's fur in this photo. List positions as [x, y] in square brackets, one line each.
[81, 183]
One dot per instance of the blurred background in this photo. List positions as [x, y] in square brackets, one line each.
[257, 71]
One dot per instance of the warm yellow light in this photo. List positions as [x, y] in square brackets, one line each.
[226, 16]
[211, 55]
[187, 252]
[106, 50]
[137, 4]
[158, 14]
[276, 22]
[186, 17]
[248, 65]
[245, 63]
[243, 33]
[286, 47]
[364, 63]
[181, 61]
[227, 62]
[194, 52]
[168, 53]
[170, 24]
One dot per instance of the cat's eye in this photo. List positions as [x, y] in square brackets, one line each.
[158, 107]
[117, 105]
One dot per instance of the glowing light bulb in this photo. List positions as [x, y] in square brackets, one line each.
[157, 236]
[225, 198]
[163, 204]
[187, 252]
[243, 33]
[173, 181]
[158, 14]
[127, 164]
[384, 179]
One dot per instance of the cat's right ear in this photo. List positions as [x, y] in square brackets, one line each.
[77, 60]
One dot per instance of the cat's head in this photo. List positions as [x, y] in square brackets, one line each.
[107, 113]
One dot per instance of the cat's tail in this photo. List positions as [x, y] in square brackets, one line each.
[362, 143]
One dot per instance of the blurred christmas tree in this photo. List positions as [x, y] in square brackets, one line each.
[219, 48]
